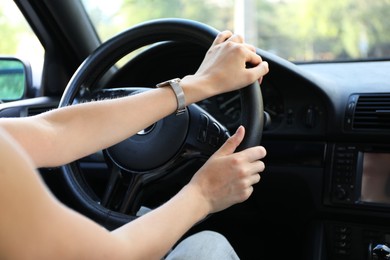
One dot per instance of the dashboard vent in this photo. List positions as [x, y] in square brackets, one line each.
[372, 112]
[32, 111]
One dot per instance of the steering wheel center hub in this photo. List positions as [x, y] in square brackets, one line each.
[153, 146]
[147, 130]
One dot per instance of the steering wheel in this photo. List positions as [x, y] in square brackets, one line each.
[166, 149]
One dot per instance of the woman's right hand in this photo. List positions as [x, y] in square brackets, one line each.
[227, 177]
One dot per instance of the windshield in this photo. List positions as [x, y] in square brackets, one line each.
[297, 30]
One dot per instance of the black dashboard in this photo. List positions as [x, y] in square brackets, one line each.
[325, 121]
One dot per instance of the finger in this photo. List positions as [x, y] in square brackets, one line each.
[232, 143]
[221, 37]
[259, 71]
[246, 193]
[236, 38]
[251, 175]
[257, 167]
[260, 80]
[250, 47]
[253, 154]
[253, 179]
[252, 58]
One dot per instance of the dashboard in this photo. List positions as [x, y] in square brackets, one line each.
[292, 103]
[319, 148]
[286, 110]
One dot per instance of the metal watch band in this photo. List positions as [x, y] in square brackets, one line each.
[175, 85]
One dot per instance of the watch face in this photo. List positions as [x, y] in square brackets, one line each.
[180, 98]
[168, 82]
[163, 84]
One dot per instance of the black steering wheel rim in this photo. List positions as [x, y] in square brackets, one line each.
[104, 57]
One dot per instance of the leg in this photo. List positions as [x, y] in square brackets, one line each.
[203, 245]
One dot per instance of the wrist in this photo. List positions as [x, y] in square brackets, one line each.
[175, 85]
[195, 89]
[198, 201]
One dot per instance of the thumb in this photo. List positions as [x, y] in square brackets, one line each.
[232, 143]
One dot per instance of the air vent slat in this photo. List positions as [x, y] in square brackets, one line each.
[372, 112]
[32, 111]
[371, 107]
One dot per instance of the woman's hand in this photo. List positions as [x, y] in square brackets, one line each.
[229, 64]
[227, 177]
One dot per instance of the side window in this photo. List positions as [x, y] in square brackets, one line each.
[18, 39]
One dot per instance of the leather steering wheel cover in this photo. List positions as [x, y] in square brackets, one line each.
[105, 56]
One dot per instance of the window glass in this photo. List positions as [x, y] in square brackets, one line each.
[298, 30]
[18, 39]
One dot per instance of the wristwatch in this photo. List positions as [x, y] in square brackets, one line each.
[175, 85]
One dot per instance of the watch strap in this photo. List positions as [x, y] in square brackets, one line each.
[177, 89]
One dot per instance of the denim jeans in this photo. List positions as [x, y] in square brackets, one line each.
[204, 245]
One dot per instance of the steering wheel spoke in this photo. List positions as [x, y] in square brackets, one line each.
[122, 190]
[114, 181]
[205, 133]
[130, 204]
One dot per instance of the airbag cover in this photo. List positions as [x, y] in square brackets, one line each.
[152, 147]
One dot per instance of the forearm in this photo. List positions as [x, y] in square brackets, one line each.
[63, 135]
[86, 128]
[164, 226]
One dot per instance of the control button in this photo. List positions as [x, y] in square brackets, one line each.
[341, 193]
[204, 123]
[214, 134]
[310, 118]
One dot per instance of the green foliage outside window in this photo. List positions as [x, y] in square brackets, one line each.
[298, 30]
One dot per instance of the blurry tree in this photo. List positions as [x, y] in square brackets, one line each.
[17, 37]
[8, 35]
[333, 29]
[219, 14]
[298, 30]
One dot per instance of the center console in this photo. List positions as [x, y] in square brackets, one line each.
[359, 176]
[358, 187]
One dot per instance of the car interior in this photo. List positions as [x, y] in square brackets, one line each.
[325, 192]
